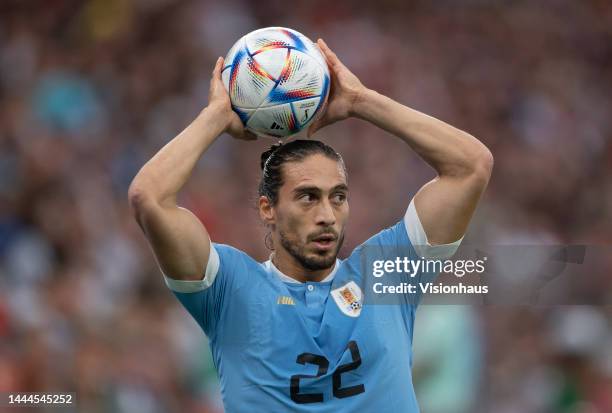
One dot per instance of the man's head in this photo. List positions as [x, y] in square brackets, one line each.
[303, 199]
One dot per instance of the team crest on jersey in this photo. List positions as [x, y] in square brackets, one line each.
[348, 298]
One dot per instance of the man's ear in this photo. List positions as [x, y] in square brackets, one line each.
[266, 210]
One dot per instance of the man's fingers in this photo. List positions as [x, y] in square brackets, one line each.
[316, 125]
[312, 129]
[245, 136]
[326, 51]
[250, 136]
[217, 70]
[329, 54]
[238, 131]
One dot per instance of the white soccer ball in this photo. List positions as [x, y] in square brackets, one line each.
[277, 80]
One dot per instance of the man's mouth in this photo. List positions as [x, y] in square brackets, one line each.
[324, 241]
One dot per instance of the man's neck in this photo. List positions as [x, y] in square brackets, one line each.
[289, 266]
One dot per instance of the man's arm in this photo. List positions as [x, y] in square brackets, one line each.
[179, 240]
[445, 205]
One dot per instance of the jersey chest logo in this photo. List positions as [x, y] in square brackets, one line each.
[349, 299]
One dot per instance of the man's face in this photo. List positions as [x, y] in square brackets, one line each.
[312, 210]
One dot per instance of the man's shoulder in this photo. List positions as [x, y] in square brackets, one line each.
[384, 242]
[231, 255]
[391, 235]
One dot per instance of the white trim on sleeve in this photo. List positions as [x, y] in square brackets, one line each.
[419, 241]
[212, 268]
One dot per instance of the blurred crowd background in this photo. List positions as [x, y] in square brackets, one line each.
[89, 90]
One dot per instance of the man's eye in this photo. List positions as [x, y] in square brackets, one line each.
[306, 198]
[339, 198]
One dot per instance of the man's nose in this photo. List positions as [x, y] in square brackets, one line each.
[325, 214]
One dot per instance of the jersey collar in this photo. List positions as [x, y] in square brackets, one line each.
[285, 278]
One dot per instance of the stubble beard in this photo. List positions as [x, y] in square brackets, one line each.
[312, 262]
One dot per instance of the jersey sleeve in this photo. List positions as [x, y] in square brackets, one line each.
[408, 238]
[418, 238]
[382, 260]
[422, 249]
[207, 299]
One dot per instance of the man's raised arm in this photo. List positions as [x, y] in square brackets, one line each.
[179, 240]
[445, 205]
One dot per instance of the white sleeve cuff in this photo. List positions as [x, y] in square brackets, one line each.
[212, 268]
[418, 238]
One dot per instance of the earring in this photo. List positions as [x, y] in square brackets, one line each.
[268, 240]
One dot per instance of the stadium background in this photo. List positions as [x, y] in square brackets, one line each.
[89, 90]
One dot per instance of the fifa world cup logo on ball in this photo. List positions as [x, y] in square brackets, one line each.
[277, 80]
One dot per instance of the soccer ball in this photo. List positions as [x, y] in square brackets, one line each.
[277, 80]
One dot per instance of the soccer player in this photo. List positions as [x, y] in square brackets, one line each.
[291, 334]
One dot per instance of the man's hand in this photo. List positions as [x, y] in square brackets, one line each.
[346, 90]
[219, 102]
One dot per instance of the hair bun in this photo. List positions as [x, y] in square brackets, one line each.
[267, 154]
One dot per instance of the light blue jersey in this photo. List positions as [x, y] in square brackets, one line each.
[284, 346]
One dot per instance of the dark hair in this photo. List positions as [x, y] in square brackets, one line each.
[273, 159]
